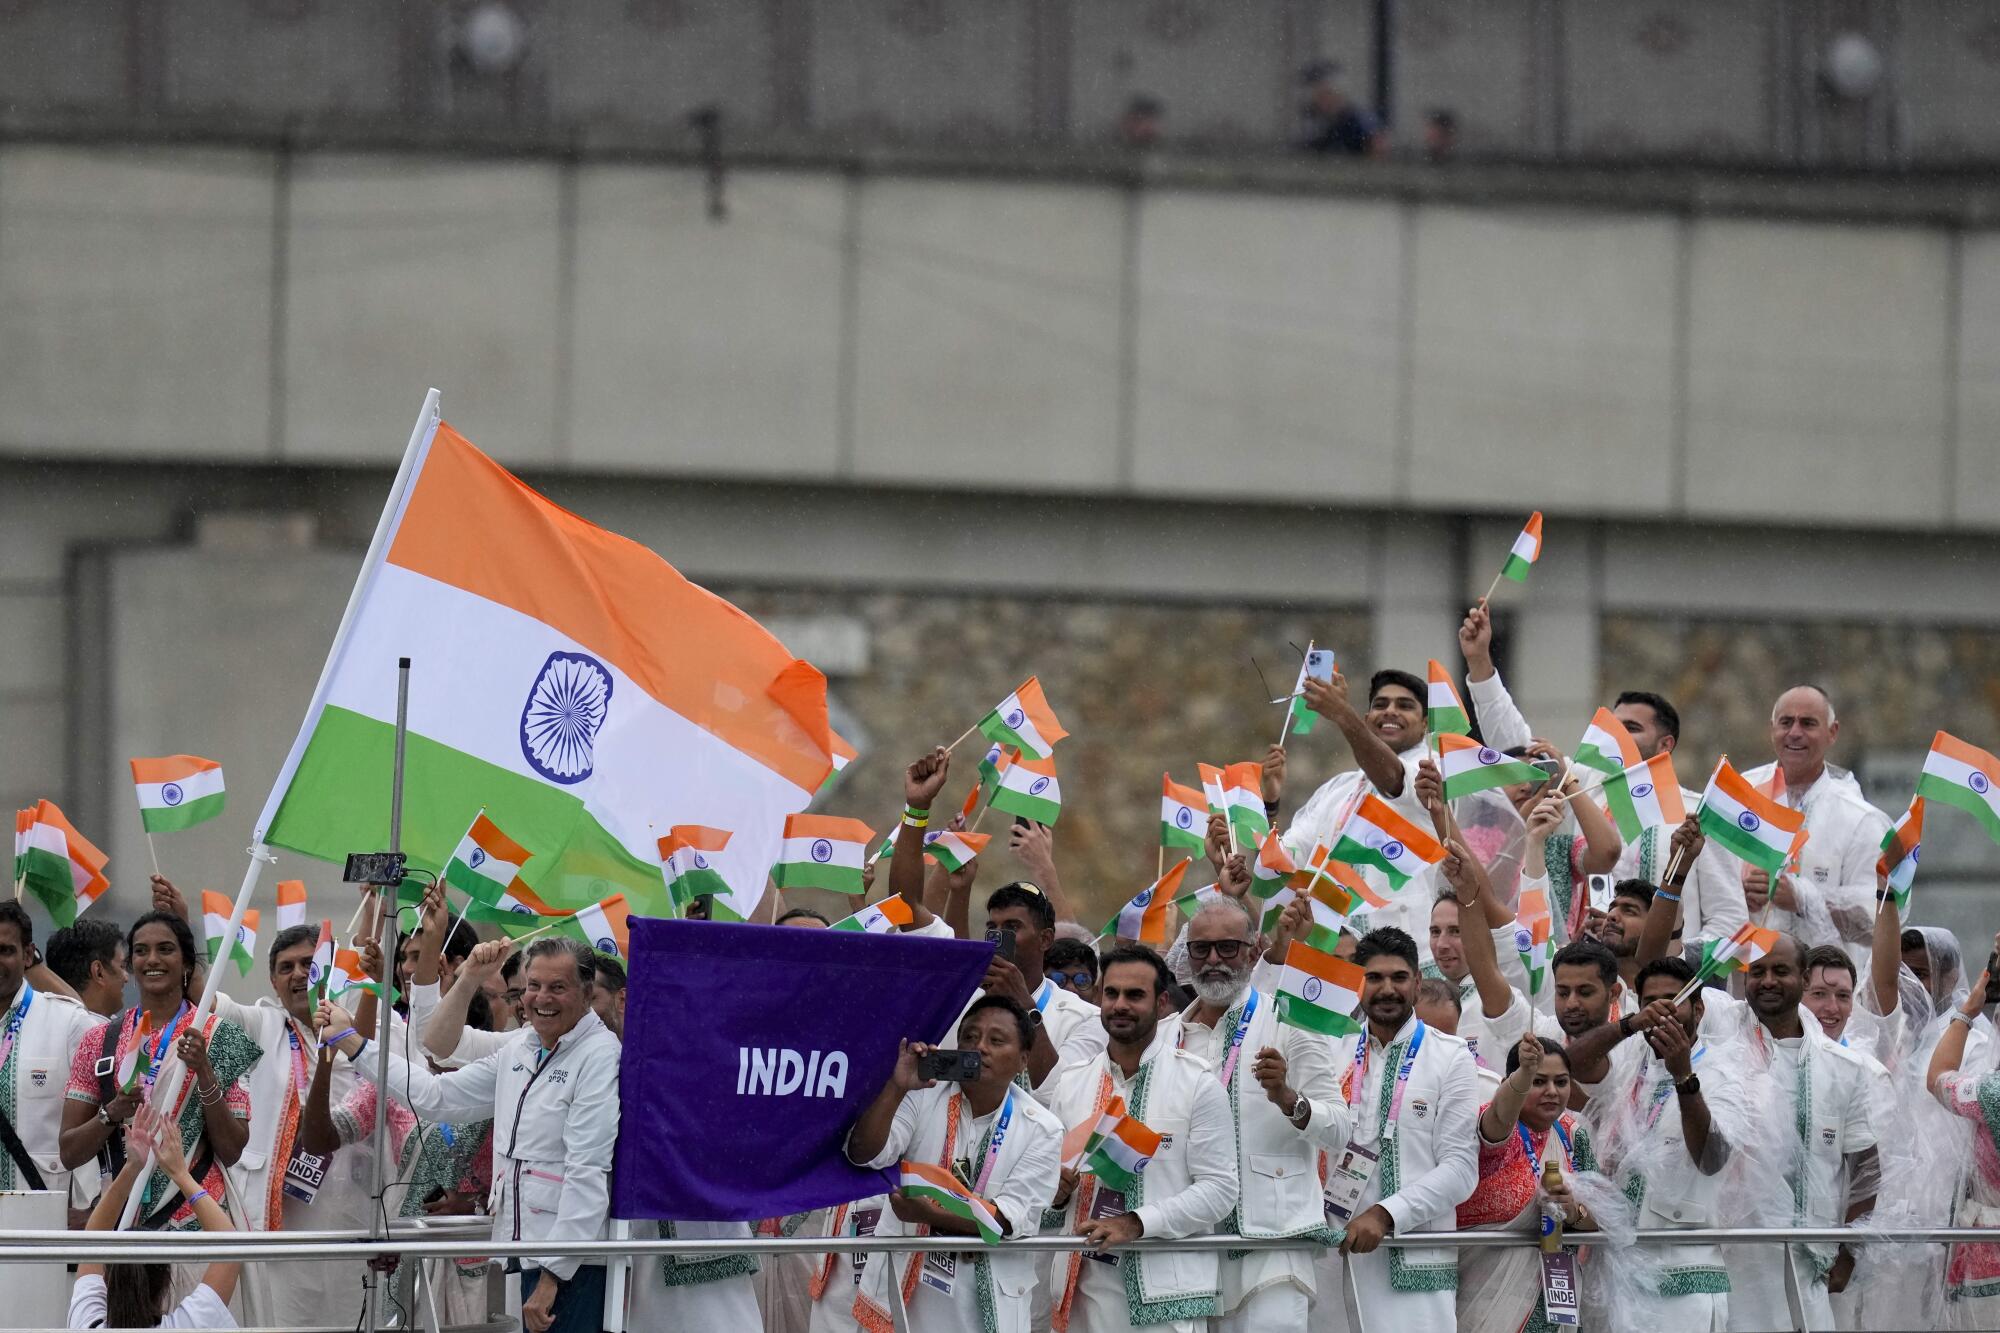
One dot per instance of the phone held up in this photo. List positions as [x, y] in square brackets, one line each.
[949, 1066]
[1003, 943]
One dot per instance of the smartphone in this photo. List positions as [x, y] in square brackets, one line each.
[1022, 821]
[949, 1066]
[1549, 767]
[1993, 978]
[1003, 943]
[384, 868]
[1600, 893]
[1319, 665]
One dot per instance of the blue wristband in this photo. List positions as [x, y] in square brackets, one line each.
[198, 1196]
[343, 1035]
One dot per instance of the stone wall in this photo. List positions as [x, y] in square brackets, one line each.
[1142, 687]
[1893, 685]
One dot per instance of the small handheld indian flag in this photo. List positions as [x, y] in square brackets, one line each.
[1078, 1141]
[1119, 1154]
[1532, 926]
[1145, 918]
[1467, 767]
[1647, 795]
[1273, 869]
[487, 863]
[1299, 716]
[1183, 821]
[320, 976]
[1748, 823]
[685, 852]
[1024, 720]
[1237, 792]
[934, 1184]
[1901, 846]
[60, 866]
[1746, 946]
[215, 911]
[1446, 710]
[1965, 776]
[956, 849]
[137, 1063]
[291, 903]
[604, 926]
[519, 911]
[177, 792]
[1527, 550]
[885, 917]
[350, 976]
[1377, 836]
[1606, 746]
[1319, 992]
[1028, 788]
[822, 852]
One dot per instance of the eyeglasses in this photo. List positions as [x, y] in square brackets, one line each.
[1072, 978]
[1226, 950]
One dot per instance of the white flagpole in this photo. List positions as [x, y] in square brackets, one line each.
[371, 564]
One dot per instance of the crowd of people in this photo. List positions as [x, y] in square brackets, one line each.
[1846, 1076]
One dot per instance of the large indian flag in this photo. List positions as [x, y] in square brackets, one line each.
[1965, 776]
[564, 677]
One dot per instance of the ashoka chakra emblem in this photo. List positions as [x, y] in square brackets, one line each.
[1979, 782]
[171, 793]
[1523, 941]
[565, 711]
[822, 851]
[1643, 790]
[1311, 989]
[1488, 755]
[1016, 718]
[1184, 817]
[1391, 850]
[1143, 899]
[1039, 786]
[607, 945]
[477, 859]
[1748, 822]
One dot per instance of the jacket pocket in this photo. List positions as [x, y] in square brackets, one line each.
[1291, 1185]
[541, 1191]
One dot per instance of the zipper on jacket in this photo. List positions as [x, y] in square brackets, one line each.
[514, 1136]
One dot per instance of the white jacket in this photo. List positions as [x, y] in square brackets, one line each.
[1025, 1174]
[1190, 1185]
[51, 1030]
[1837, 865]
[555, 1121]
[1278, 1165]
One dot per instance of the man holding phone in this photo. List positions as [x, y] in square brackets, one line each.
[959, 1111]
[1022, 925]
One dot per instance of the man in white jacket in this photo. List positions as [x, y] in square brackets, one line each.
[1830, 899]
[1187, 1187]
[1413, 1155]
[39, 1033]
[553, 1095]
[1286, 1105]
[1712, 900]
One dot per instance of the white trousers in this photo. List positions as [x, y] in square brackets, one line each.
[1100, 1305]
[1282, 1306]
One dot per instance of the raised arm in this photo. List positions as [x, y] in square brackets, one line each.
[1500, 720]
[1035, 845]
[1382, 766]
[462, 1094]
[1885, 952]
[1657, 935]
[1497, 1121]
[444, 1027]
[875, 1126]
[921, 783]
[1951, 1046]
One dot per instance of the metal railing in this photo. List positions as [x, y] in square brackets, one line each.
[421, 1241]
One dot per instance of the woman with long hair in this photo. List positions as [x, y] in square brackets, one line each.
[137, 1295]
[128, 1061]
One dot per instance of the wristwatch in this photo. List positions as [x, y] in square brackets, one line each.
[1690, 1088]
[1301, 1113]
[1034, 1016]
[104, 1114]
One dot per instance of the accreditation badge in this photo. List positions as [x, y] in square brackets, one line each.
[1347, 1179]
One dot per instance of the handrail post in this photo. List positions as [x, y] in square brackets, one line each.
[1795, 1299]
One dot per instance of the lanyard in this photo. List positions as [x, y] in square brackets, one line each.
[160, 1046]
[1044, 995]
[1534, 1158]
[1236, 1040]
[993, 1145]
[301, 1071]
[1664, 1089]
[15, 1019]
[1387, 1129]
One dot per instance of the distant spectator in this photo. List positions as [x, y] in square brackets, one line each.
[1072, 964]
[1332, 123]
[90, 958]
[1440, 134]
[1140, 126]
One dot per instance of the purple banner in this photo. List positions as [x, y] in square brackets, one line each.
[749, 1051]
